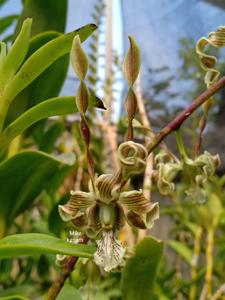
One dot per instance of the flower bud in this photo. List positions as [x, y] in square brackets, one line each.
[79, 58]
[131, 64]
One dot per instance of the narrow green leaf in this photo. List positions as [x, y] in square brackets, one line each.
[43, 58]
[2, 53]
[19, 289]
[182, 250]
[138, 275]
[47, 85]
[36, 243]
[69, 292]
[51, 107]
[14, 297]
[49, 20]
[46, 15]
[16, 54]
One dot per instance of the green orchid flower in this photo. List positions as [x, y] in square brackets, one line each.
[103, 210]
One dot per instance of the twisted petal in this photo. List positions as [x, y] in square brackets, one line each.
[110, 252]
[163, 157]
[164, 186]
[132, 158]
[144, 221]
[166, 174]
[135, 201]
[107, 188]
[78, 200]
[206, 161]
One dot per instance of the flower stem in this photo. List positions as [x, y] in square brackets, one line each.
[68, 268]
[197, 249]
[178, 121]
[209, 262]
[180, 144]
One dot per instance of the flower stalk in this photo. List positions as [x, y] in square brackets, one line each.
[195, 260]
[67, 270]
[178, 121]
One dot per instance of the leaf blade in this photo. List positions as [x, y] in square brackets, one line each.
[43, 58]
[52, 107]
[139, 273]
[182, 250]
[37, 243]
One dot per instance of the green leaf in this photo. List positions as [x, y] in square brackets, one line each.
[16, 54]
[51, 107]
[49, 19]
[138, 275]
[6, 22]
[43, 58]
[23, 177]
[46, 85]
[14, 297]
[46, 15]
[18, 289]
[50, 136]
[3, 2]
[37, 243]
[182, 250]
[69, 292]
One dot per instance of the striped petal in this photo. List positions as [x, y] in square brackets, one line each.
[93, 219]
[107, 188]
[144, 221]
[78, 201]
[135, 201]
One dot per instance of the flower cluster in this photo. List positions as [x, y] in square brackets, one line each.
[102, 211]
[195, 173]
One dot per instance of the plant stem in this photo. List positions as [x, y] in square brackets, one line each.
[209, 262]
[178, 121]
[68, 268]
[197, 249]
[180, 144]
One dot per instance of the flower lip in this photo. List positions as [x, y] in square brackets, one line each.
[110, 251]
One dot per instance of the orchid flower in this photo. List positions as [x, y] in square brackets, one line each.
[103, 211]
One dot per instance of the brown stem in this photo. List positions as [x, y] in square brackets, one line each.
[68, 268]
[178, 121]
[202, 124]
